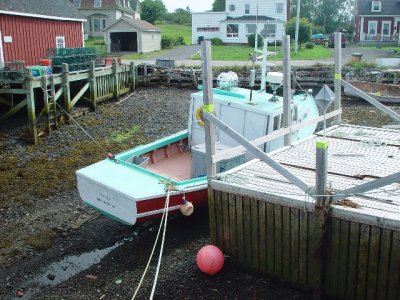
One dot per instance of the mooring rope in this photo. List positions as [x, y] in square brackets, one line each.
[162, 222]
[90, 137]
[162, 244]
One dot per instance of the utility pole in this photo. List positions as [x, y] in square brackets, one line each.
[296, 35]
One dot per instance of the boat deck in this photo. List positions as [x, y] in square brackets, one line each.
[356, 155]
[176, 167]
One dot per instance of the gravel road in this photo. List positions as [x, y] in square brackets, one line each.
[54, 247]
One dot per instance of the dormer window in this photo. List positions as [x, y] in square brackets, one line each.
[376, 6]
[77, 3]
[97, 3]
[231, 7]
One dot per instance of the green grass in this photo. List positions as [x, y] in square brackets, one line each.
[184, 31]
[97, 43]
[242, 52]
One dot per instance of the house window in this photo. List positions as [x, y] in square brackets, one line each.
[372, 25]
[231, 7]
[60, 42]
[386, 28]
[250, 28]
[104, 23]
[97, 3]
[269, 30]
[279, 8]
[232, 30]
[96, 25]
[376, 6]
[77, 3]
[247, 9]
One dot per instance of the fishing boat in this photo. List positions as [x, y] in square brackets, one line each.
[132, 186]
[382, 92]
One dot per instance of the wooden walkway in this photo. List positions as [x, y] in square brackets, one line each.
[266, 223]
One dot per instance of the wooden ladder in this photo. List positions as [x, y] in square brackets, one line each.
[50, 103]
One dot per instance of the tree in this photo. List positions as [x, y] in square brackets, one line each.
[218, 5]
[305, 28]
[328, 14]
[152, 10]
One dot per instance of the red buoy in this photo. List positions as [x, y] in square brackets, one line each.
[210, 259]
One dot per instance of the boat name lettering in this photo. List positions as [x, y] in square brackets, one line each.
[106, 200]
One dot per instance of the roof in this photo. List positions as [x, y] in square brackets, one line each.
[388, 8]
[130, 5]
[250, 17]
[140, 24]
[49, 9]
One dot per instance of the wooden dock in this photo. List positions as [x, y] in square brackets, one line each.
[350, 250]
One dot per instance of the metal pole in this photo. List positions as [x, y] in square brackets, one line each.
[208, 107]
[296, 36]
[338, 74]
[287, 116]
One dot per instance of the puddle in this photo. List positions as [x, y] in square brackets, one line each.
[61, 271]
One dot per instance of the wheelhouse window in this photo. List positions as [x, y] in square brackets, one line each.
[232, 30]
[250, 28]
[279, 8]
[247, 9]
[376, 6]
[97, 3]
[60, 42]
[232, 7]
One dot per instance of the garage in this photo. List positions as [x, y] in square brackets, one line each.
[129, 35]
[123, 41]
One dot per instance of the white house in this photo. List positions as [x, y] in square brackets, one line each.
[241, 17]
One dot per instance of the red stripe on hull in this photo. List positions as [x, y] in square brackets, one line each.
[198, 198]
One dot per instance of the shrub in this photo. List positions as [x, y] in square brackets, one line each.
[167, 42]
[309, 45]
[278, 43]
[216, 42]
[180, 41]
[251, 40]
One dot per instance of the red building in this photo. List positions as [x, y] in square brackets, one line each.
[377, 22]
[28, 28]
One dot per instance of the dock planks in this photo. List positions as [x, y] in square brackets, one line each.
[274, 229]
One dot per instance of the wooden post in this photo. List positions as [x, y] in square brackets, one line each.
[169, 77]
[115, 79]
[67, 91]
[338, 74]
[93, 83]
[132, 77]
[145, 73]
[287, 115]
[208, 107]
[195, 84]
[321, 172]
[46, 102]
[322, 215]
[30, 103]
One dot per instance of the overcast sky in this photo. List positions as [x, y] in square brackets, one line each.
[195, 5]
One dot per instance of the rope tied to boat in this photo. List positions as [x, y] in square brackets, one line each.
[169, 186]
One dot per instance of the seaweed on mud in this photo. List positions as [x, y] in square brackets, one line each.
[42, 240]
